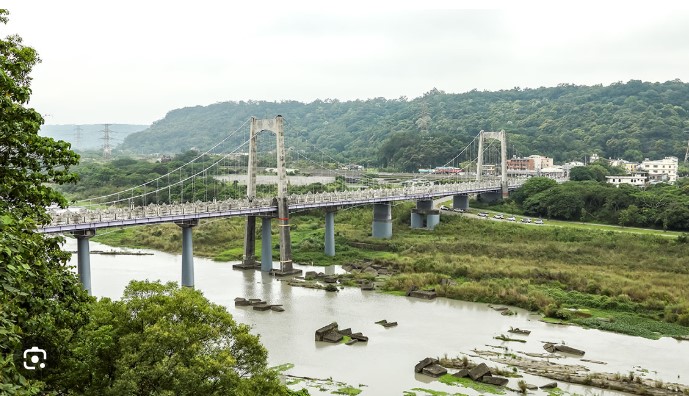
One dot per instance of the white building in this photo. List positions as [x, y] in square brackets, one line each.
[638, 179]
[664, 170]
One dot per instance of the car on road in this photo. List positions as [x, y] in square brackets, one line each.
[482, 214]
[526, 220]
[458, 210]
[499, 216]
[511, 218]
[539, 221]
[443, 207]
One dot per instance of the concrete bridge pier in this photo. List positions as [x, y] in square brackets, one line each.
[187, 251]
[84, 257]
[382, 220]
[249, 257]
[460, 202]
[330, 232]
[424, 216]
[286, 267]
[266, 245]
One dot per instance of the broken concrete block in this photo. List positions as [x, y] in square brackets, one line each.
[434, 370]
[499, 381]
[325, 330]
[461, 373]
[425, 362]
[479, 371]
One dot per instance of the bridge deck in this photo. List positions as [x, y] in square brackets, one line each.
[67, 221]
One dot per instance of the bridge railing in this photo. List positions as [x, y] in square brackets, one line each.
[110, 214]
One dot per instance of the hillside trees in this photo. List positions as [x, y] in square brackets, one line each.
[41, 301]
[632, 120]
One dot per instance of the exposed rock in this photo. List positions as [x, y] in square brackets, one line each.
[424, 363]
[256, 301]
[499, 381]
[332, 336]
[367, 286]
[331, 288]
[389, 324]
[550, 385]
[345, 332]
[330, 279]
[320, 333]
[434, 370]
[360, 337]
[310, 275]
[241, 302]
[371, 271]
[411, 290]
[382, 322]
[352, 341]
[461, 373]
[517, 330]
[277, 308]
[447, 282]
[425, 294]
[479, 371]
[531, 387]
[552, 348]
[261, 307]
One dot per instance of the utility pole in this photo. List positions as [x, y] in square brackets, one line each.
[106, 142]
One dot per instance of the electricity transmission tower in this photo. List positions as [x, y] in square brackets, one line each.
[107, 149]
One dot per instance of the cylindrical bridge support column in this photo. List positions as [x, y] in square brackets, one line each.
[187, 252]
[382, 220]
[416, 220]
[84, 257]
[266, 245]
[249, 257]
[460, 202]
[329, 233]
[432, 219]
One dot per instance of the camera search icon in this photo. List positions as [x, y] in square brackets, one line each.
[35, 358]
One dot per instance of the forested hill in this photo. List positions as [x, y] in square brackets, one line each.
[630, 120]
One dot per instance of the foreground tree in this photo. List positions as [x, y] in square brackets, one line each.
[165, 340]
[41, 300]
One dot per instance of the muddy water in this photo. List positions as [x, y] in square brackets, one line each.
[385, 364]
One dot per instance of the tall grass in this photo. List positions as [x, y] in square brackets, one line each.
[538, 268]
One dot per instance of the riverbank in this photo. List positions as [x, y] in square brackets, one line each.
[628, 283]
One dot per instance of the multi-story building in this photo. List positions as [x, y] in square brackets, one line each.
[532, 163]
[627, 165]
[664, 170]
[638, 179]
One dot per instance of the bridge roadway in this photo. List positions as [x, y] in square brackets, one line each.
[93, 219]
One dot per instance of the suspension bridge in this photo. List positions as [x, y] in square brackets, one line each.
[162, 199]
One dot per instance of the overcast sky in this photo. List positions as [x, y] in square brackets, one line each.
[131, 61]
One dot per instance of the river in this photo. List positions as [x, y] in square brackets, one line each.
[385, 365]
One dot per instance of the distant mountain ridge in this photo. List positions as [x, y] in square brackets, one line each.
[91, 134]
[633, 120]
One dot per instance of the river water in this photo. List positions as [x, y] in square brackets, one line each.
[385, 365]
